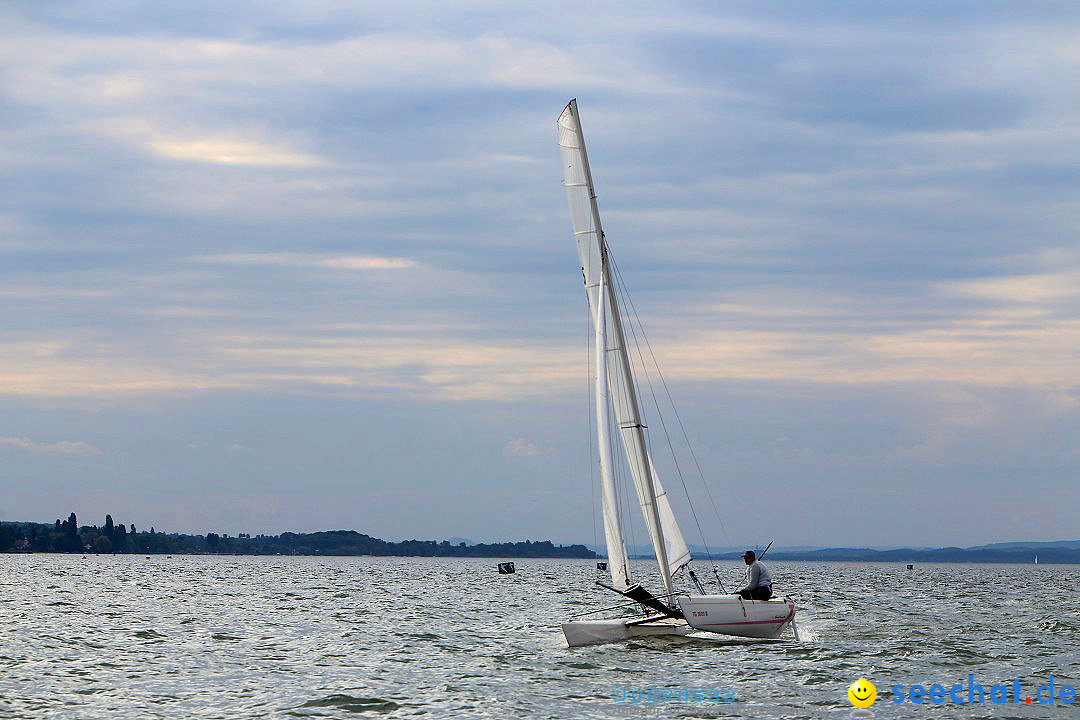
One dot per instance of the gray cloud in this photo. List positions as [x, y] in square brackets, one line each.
[60, 447]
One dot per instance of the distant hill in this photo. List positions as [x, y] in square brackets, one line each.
[69, 536]
[1067, 544]
[1065, 552]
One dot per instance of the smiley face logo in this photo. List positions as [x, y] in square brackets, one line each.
[862, 693]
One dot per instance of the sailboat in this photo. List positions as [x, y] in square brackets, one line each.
[673, 611]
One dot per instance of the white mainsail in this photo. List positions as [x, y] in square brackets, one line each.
[668, 543]
[618, 563]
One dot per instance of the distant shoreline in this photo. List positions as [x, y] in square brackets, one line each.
[69, 537]
[1052, 555]
[1048, 554]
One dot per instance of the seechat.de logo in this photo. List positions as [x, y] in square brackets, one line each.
[862, 693]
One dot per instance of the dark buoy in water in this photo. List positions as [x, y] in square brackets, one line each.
[601, 566]
[910, 567]
[506, 568]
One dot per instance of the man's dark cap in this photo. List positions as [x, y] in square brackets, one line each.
[749, 553]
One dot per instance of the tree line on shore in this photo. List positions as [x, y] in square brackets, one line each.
[68, 537]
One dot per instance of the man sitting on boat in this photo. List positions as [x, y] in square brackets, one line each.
[758, 581]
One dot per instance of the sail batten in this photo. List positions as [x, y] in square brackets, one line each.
[667, 539]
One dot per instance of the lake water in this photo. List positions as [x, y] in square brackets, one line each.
[243, 637]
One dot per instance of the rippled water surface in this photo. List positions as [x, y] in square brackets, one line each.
[242, 637]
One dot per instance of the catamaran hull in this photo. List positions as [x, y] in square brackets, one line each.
[731, 615]
[596, 632]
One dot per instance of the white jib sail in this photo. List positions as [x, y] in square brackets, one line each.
[618, 563]
[678, 554]
[668, 543]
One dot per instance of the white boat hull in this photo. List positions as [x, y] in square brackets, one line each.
[731, 615]
[596, 632]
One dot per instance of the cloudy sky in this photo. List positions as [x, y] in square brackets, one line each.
[308, 265]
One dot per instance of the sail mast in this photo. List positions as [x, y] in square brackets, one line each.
[592, 249]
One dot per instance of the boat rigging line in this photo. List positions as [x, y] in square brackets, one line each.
[627, 303]
[671, 400]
